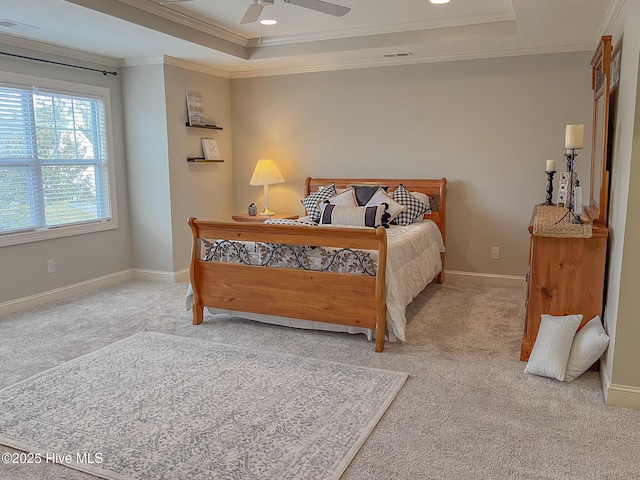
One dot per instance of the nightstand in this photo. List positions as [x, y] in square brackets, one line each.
[245, 217]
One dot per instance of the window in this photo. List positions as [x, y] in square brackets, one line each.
[54, 162]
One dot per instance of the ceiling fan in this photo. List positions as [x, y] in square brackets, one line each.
[255, 8]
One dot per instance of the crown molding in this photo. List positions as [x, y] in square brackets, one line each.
[388, 41]
[177, 62]
[52, 49]
[187, 20]
[381, 30]
[130, 11]
[42, 47]
[256, 42]
[412, 60]
[609, 19]
[140, 62]
[195, 67]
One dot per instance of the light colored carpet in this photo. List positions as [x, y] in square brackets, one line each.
[165, 407]
[467, 410]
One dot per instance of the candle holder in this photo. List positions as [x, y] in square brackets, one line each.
[571, 155]
[550, 175]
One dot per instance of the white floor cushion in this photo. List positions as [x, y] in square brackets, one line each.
[550, 353]
[588, 346]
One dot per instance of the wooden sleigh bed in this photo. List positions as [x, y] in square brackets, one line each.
[321, 296]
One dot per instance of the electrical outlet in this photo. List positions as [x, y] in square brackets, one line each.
[51, 266]
[495, 253]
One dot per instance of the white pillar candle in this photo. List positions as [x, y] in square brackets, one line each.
[551, 166]
[577, 200]
[574, 137]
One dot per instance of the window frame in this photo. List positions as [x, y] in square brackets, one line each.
[63, 87]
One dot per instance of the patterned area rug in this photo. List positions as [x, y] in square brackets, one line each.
[168, 407]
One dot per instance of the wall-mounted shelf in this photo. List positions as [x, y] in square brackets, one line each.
[210, 127]
[202, 160]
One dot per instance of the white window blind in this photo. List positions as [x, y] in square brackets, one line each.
[53, 159]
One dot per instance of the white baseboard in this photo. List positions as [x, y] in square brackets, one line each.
[92, 285]
[605, 379]
[618, 395]
[623, 396]
[485, 279]
[64, 292]
[160, 276]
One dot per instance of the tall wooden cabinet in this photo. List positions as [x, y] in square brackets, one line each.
[566, 276]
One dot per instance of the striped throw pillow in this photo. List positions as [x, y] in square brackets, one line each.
[354, 216]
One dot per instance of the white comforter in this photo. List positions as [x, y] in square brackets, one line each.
[413, 261]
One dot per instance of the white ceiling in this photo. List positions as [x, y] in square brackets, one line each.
[209, 33]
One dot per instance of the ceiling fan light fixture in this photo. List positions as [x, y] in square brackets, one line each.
[268, 21]
[255, 8]
[439, 2]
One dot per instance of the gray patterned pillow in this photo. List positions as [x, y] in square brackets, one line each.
[311, 202]
[415, 207]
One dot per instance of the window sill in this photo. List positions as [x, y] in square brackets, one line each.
[51, 233]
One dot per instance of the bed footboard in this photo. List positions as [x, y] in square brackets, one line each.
[323, 296]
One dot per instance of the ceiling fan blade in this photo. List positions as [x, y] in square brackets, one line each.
[320, 6]
[253, 12]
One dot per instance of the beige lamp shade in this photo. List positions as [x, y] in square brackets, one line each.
[266, 173]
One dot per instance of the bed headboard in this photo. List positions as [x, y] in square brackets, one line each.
[436, 189]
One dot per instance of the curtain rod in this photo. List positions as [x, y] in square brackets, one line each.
[104, 72]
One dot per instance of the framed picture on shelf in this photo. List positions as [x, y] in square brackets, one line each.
[195, 110]
[210, 149]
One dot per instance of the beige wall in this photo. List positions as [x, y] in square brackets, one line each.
[486, 125]
[621, 375]
[82, 258]
[165, 188]
[148, 172]
[202, 190]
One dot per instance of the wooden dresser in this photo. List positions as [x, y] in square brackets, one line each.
[566, 276]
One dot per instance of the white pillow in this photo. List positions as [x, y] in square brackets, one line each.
[380, 197]
[588, 346]
[550, 353]
[346, 198]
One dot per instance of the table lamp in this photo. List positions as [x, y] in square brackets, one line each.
[266, 173]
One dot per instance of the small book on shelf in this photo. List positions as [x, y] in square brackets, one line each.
[210, 149]
[195, 110]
